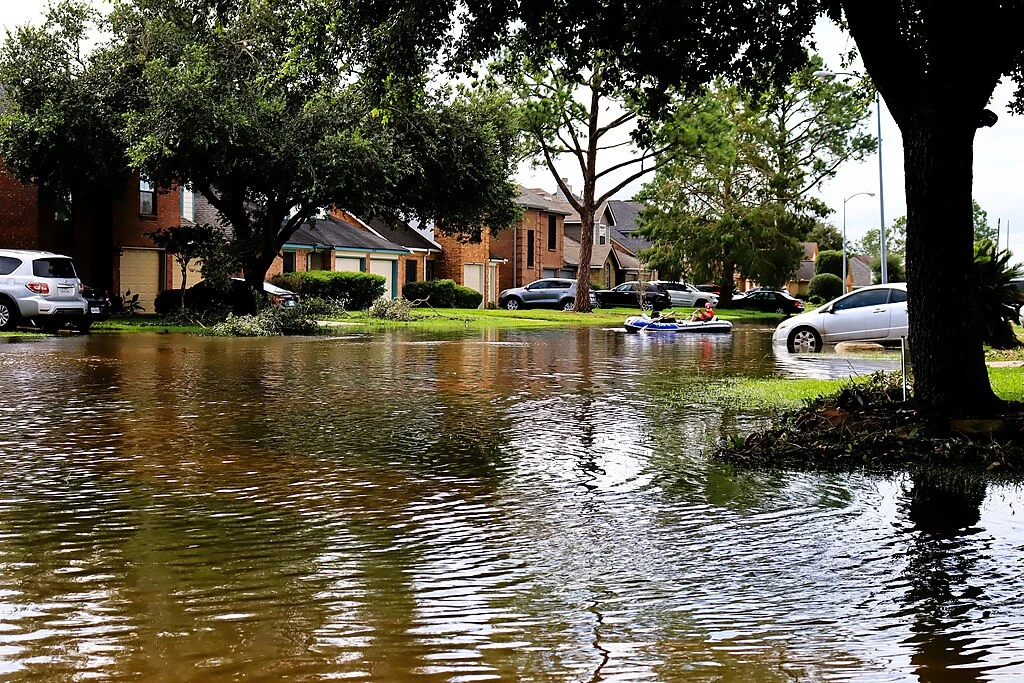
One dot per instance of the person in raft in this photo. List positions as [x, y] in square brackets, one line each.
[702, 315]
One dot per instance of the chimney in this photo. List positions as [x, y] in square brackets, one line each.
[565, 181]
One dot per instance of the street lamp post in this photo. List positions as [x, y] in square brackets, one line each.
[827, 75]
[869, 194]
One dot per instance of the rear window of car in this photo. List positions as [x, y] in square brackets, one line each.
[8, 264]
[53, 267]
[897, 296]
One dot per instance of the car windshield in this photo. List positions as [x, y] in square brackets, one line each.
[53, 267]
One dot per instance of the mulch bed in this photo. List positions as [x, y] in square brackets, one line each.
[870, 427]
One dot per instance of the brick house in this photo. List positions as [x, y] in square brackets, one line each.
[530, 250]
[104, 234]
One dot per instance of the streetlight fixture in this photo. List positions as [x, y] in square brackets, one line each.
[869, 194]
[829, 75]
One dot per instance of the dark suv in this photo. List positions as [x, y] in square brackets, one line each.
[552, 292]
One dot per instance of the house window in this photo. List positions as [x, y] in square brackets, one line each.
[289, 261]
[410, 271]
[147, 198]
[602, 235]
[607, 275]
[552, 233]
[529, 248]
[428, 271]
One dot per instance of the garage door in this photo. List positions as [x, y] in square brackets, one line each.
[140, 273]
[473, 277]
[385, 268]
[347, 265]
[195, 275]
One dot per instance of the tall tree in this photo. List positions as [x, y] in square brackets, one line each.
[826, 236]
[936, 65]
[738, 202]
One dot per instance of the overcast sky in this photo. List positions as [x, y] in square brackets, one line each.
[998, 164]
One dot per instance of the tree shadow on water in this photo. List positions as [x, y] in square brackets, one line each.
[944, 513]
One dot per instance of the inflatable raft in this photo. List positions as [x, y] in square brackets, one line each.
[642, 323]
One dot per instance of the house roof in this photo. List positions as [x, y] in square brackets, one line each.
[810, 250]
[538, 199]
[598, 254]
[860, 270]
[334, 232]
[623, 215]
[805, 272]
[401, 233]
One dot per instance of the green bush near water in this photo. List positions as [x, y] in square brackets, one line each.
[827, 286]
[357, 290]
[442, 294]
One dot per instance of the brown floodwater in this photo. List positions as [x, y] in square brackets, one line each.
[523, 505]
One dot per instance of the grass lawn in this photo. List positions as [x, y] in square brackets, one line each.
[143, 323]
[459, 318]
[776, 393]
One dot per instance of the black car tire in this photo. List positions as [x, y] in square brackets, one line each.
[513, 303]
[781, 311]
[646, 306]
[699, 303]
[51, 326]
[82, 325]
[568, 305]
[8, 315]
[806, 337]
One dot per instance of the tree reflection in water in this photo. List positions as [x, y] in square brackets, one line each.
[945, 513]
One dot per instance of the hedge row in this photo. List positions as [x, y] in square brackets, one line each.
[359, 290]
[443, 294]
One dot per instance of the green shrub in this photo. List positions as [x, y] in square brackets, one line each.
[386, 308]
[438, 293]
[316, 307]
[357, 290]
[829, 262]
[816, 300]
[826, 286]
[467, 298]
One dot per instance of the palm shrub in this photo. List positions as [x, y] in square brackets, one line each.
[998, 300]
[826, 286]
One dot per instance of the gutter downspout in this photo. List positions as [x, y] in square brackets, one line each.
[515, 260]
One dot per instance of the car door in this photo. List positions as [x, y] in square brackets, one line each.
[862, 316]
[899, 325]
[535, 293]
[625, 295]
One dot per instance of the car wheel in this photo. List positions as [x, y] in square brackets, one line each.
[699, 303]
[569, 305]
[646, 306]
[513, 304]
[8, 315]
[804, 340]
[780, 310]
[51, 326]
[83, 325]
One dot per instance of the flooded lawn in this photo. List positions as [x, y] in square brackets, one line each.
[506, 505]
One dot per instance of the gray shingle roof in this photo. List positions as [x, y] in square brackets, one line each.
[400, 233]
[334, 232]
[538, 199]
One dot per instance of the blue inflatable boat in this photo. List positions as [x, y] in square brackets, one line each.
[642, 323]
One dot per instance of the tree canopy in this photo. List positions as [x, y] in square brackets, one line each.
[241, 101]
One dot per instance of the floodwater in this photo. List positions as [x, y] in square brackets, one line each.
[500, 505]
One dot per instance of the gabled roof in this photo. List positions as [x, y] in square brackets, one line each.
[860, 270]
[623, 215]
[542, 201]
[805, 272]
[401, 233]
[338, 234]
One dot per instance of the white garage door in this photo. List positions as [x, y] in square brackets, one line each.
[473, 277]
[140, 273]
[347, 265]
[384, 268]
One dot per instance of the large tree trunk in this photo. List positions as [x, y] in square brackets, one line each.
[950, 375]
[726, 284]
[586, 251]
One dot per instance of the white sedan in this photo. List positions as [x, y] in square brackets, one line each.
[877, 314]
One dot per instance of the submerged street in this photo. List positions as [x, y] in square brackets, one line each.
[505, 504]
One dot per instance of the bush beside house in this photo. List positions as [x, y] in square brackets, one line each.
[826, 286]
[829, 262]
[358, 290]
[443, 294]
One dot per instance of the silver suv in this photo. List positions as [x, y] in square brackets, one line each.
[42, 287]
[552, 292]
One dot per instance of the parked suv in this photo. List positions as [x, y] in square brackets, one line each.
[683, 294]
[550, 292]
[42, 287]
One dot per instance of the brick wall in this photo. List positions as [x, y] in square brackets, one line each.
[19, 213]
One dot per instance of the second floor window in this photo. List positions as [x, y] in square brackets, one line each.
[552, 233]
[602, 234]
[529, 248]
[147, 198]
